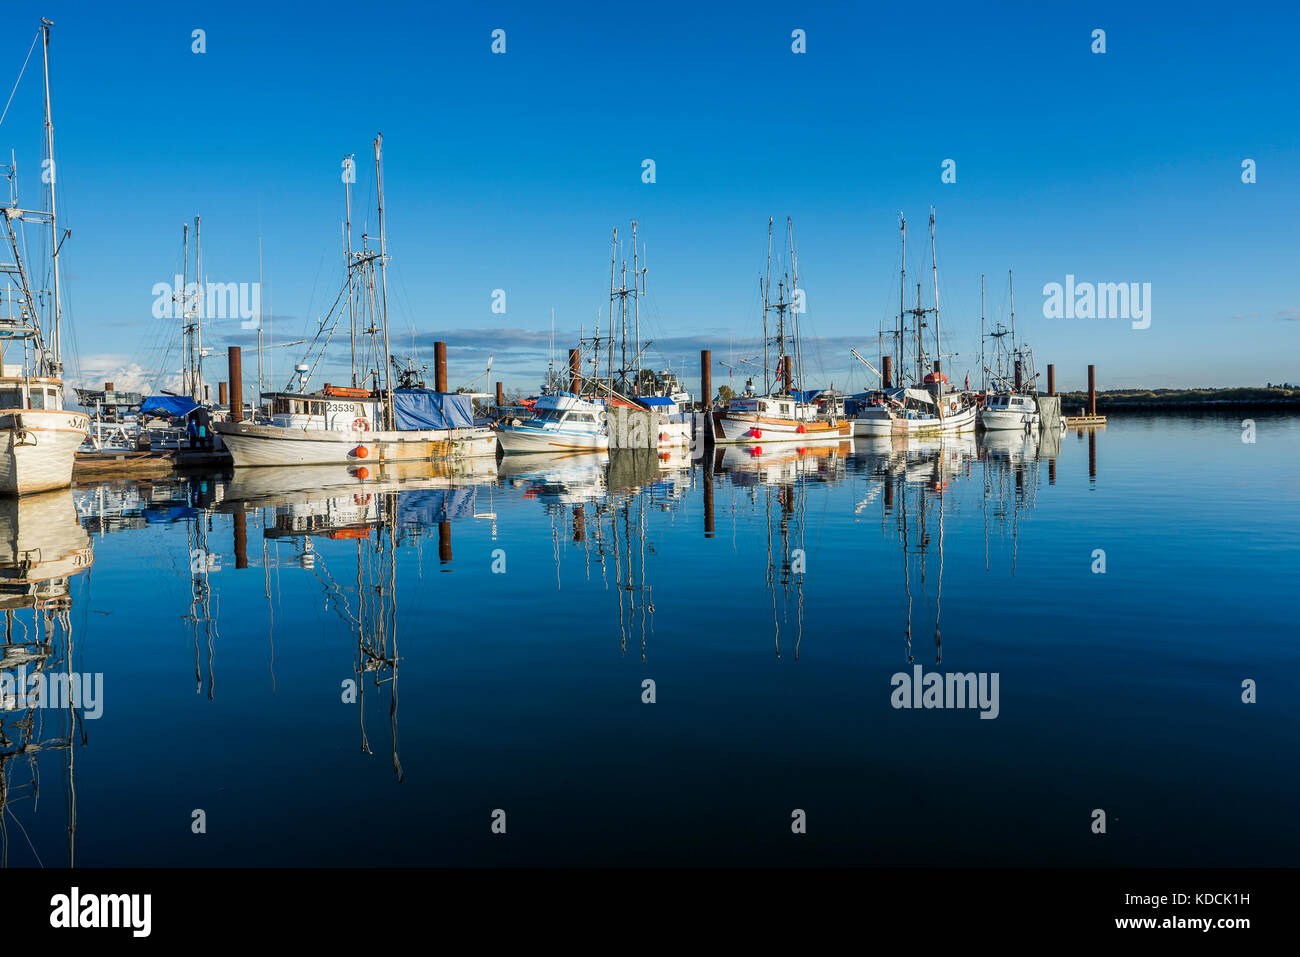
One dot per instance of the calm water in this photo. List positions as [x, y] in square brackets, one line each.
[500, 626]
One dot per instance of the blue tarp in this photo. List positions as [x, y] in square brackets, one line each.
[425, 507]
[173, 405]
[426, 409]
[650, 401]
[807, 395]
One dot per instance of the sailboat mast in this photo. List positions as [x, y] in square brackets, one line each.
[934, 267]
[383, 284]
[902, 295]
[186, 377]
[794, 299]
[349, 165]
[638, 280]
[54, 363]
[198, 314]
[983, 380]
[613, 269]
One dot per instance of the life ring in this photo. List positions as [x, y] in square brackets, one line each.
[360, 499]
[360, 425]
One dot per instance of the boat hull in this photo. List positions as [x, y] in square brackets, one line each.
[885, 426]
[732, 429]
[1001, 420]
[522, 440]
[253, 445]
[38, 448]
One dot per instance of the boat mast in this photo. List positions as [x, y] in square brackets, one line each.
[794, 298]
[983, 374]
[638, 277]
[389, 422]
[902, 295]
[934, 266]
[52, 362]
[349, 165]
[197, 381]
[767, 289]
[187, 385]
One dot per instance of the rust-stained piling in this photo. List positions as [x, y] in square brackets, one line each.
[223, 396]
[886, 372]
[1019, 374]
[234, 358]
[787, 373]
[444, 543]
[440, 367]
[1092, 390]
[575, 372]
[706, 379]
[501, 396]
[1092, 454]
[241, 538]
[708, 502]
[579, 523]
[108, 387]
[1051, 379]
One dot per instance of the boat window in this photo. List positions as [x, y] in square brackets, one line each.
[53, 397]
[11, 399]
[281, 406]
[37, 399]
[581, 417]
[785, 408]
[317, 408]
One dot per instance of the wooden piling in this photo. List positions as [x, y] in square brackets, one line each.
[575, 372]
[501, 396]
[241, 538]
[886, 372]
[234, 359]
[1051, 379]
[223, 395]
[1092, 390]
[444, 543]
[706, 379]
[440, 367]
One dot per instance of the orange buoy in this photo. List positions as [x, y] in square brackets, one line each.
[664, 456]
[363, 473]
[361, 452]
[756, 433]
[801, 430]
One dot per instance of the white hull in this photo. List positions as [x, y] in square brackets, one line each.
[992, 421]
[263, 445]
[884, 426]
[544, 440]
[38, 448]
[732, 429]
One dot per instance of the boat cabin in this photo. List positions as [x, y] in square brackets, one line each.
[18, 392]
[323, 411]
[1009, 402]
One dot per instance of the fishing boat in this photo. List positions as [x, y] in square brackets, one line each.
[783, 412]
[561, 422]
[1011, 400]
[645, 409]
[38, 436]
[374, 419]
[928, 405]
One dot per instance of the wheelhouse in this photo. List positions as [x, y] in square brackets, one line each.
[31, 393]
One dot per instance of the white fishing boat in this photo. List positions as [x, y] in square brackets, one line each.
[561, 422]
[929, 405]
[373, 419]
[38, 436]
[784, 412]
[1011, 398]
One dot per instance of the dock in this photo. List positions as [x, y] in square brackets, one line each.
[89, 466]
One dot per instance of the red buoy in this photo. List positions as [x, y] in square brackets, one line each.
[756, 450]
[361, 452]
[801, 450]
[801, 430]
[756, 433]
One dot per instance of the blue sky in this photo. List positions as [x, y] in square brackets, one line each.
[509, 171]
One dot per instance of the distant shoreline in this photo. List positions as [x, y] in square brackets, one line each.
[1183, 398]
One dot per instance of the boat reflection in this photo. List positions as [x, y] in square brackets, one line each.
[42, 548]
